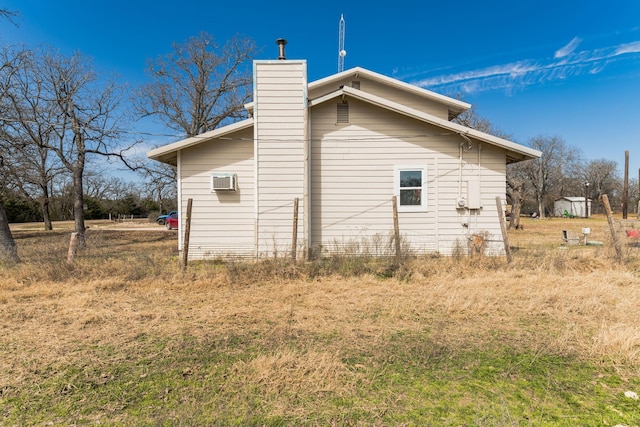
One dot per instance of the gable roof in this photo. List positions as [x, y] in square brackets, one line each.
[515, 152]
[455, 106]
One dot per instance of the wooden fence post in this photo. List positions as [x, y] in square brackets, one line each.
[612, 227]
[396, 229]
[187, 233]
[73, 248]
[294, 234]
[503, 229]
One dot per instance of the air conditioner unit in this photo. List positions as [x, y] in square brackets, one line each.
[224, 182]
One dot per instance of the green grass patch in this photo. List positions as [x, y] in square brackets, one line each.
[408, 379]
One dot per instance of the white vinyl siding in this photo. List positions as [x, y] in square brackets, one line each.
[222, 223]
[352, 181]
[280, 132]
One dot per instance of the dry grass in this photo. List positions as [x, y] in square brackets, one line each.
[292, 336]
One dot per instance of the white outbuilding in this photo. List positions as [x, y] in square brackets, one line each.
[571, 207]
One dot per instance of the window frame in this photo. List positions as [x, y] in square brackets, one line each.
[423, 206]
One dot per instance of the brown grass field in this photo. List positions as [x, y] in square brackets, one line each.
[123, 337]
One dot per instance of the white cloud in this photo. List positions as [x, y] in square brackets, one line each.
[568, 48]
[633, 47]
[565, 64]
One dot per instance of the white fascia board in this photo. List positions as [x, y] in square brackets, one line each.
[456, 104]
[326, 97]
[159, 152]
[454, 127]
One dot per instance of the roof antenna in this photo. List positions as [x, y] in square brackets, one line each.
[341, 52]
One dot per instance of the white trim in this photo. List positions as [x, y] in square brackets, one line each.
[180, 216]
[454, 104]
[424, 188]
[158, 153]
[256, 161]
[503, 143]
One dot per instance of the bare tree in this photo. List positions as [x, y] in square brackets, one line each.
[87, 120]
[8, 70]
[99, 185]
[473, 120]
[200, 85]
[28, 136]
[546, 174]
[602, 178]
[161, 183]
[9, 15]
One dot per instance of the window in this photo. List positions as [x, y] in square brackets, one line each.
[411, 188]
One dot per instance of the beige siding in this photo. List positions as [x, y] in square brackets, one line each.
[352, 182]
[222, 223]
[412, 100]
[280, 93]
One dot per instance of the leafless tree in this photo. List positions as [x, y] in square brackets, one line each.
[473, 120]
[8, 70]
[160, 182]
[200, 85]
[9, 15]
[87, 118]
[546, 174]
[602, 178]
[28, 135]
[99, 185]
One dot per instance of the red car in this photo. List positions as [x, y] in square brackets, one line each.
[172, 222]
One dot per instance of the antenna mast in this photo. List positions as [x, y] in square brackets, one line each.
[341, 52]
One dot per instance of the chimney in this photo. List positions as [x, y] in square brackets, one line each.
[281, 44]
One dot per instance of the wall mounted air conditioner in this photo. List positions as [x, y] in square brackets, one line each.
[224, 182]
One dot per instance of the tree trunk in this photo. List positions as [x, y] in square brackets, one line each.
[46, 214]
[541, 213]
[78, 204]
[8, 250]
[514, 218]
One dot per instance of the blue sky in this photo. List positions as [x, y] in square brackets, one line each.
[570, 69]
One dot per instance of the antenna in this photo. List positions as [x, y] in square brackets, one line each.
[341, 52]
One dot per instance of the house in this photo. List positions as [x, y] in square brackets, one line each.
[343, 147]
[572, 207]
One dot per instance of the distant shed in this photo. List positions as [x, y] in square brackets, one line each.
[573, 206]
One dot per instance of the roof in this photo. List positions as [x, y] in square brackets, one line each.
[455, 106]
[515, 152]
[168, 153]
[572, 199]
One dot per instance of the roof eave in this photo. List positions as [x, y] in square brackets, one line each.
[514, 151]
[455, 106]
[168, 153]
